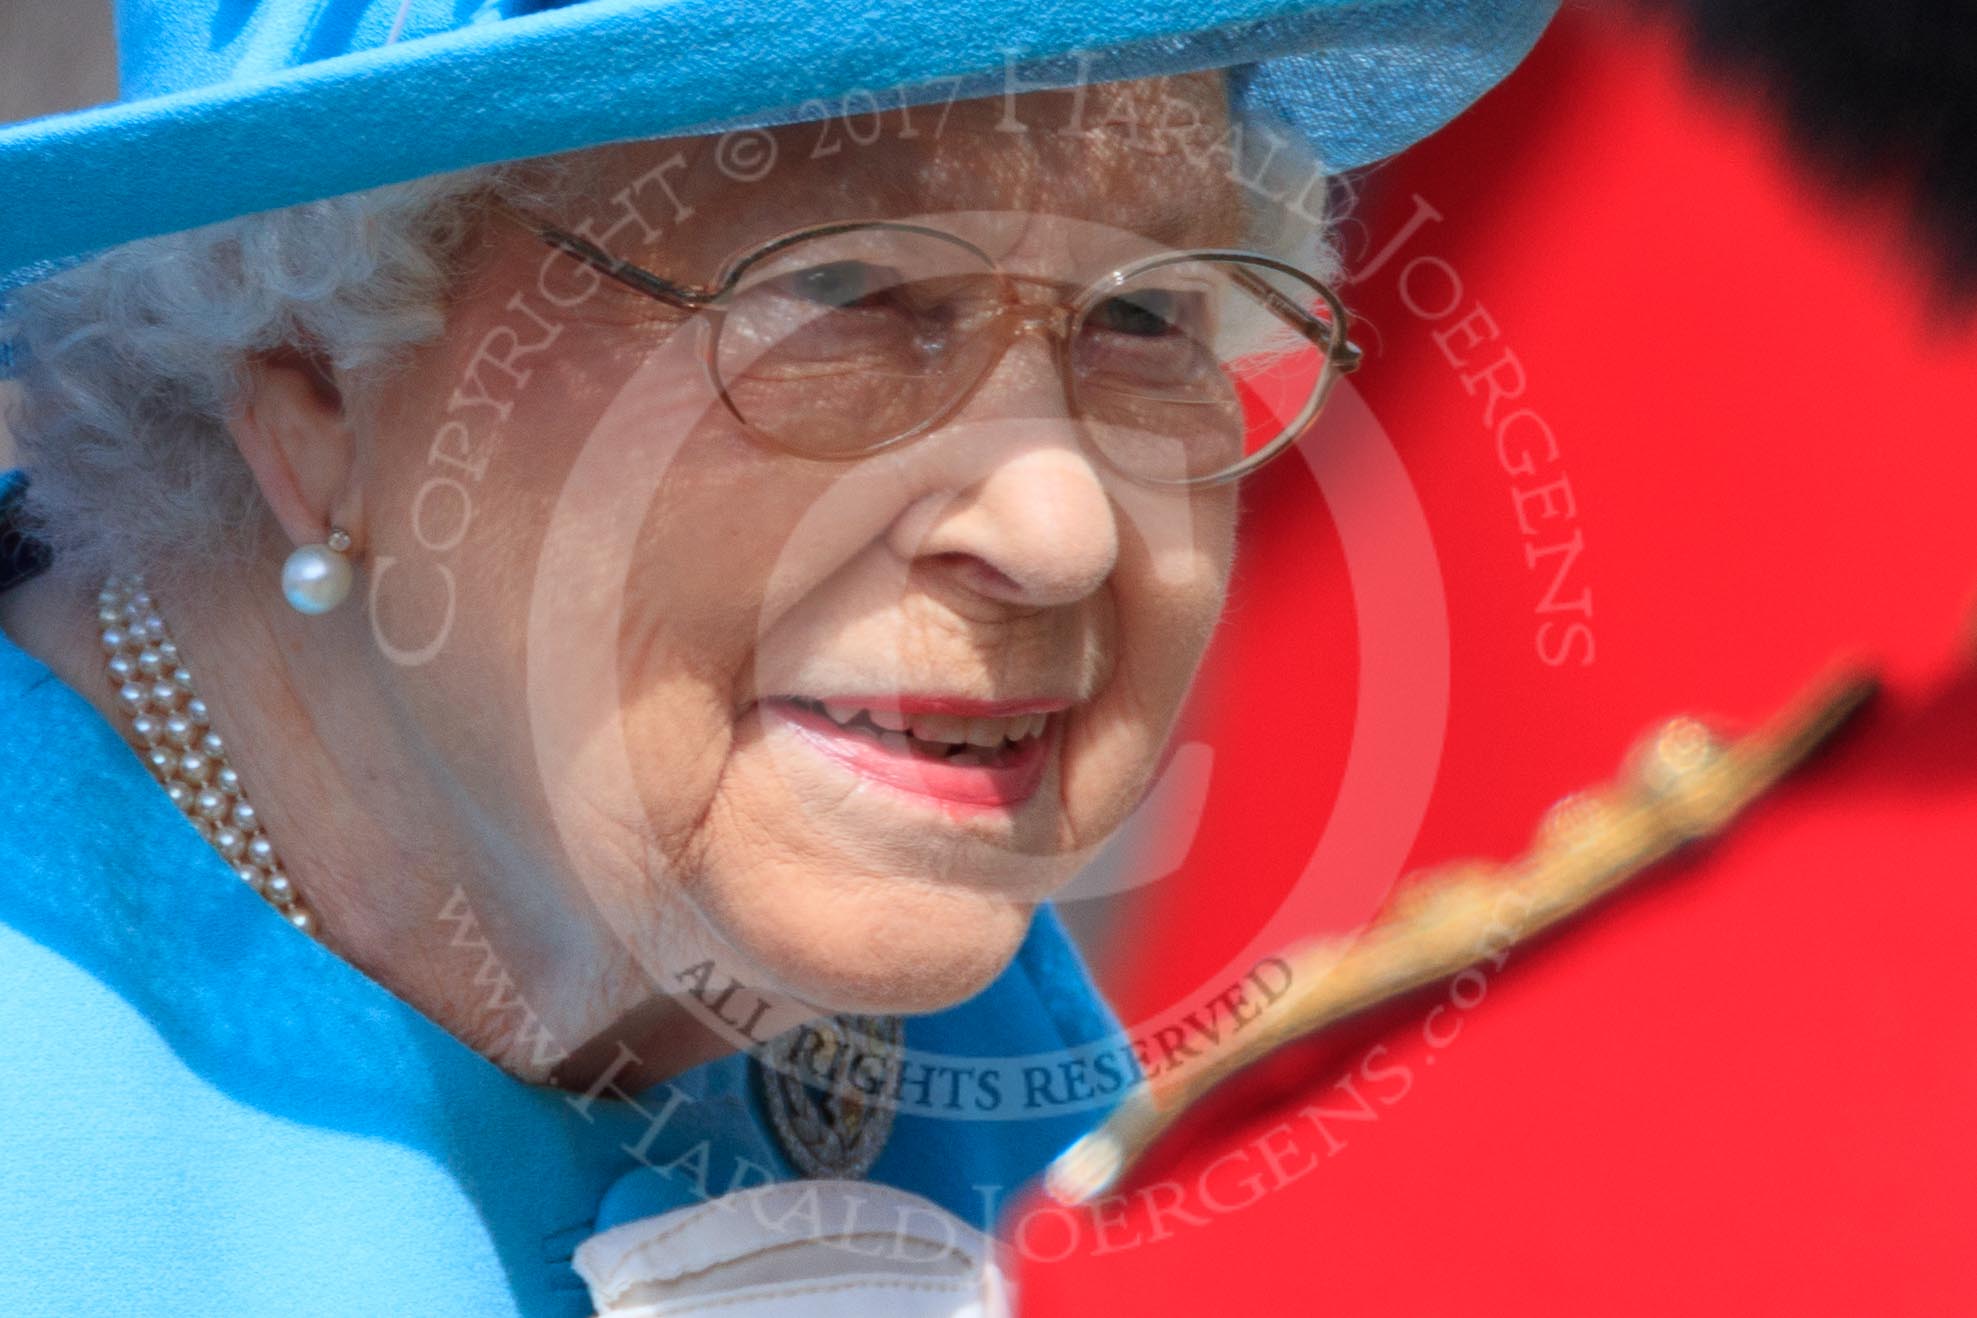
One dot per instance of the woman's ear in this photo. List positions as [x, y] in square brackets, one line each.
[292, 426]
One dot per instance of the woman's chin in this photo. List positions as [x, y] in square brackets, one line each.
[850, 885]
[852, 943]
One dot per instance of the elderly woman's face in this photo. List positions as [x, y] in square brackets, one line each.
[837, 725]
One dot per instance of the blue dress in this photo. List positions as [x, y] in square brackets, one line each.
[203, 1111]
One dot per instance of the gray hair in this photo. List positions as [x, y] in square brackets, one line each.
[133, 361]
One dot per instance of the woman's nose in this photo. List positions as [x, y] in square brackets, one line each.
[1016, 511]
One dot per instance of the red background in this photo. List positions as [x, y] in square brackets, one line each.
[1746, 1085]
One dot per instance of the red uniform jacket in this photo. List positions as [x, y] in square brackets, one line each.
[1683, 426]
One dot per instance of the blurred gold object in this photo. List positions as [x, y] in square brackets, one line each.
[1682, 782]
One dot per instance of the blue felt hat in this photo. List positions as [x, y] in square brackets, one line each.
[234, 106]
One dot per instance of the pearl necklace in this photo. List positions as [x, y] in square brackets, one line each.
[185, 755]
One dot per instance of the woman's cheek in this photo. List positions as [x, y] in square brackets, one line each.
[1112, 742]
[1171, 601]
[1165, 625]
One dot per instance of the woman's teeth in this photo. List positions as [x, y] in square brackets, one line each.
[985, 763]
[940, 732]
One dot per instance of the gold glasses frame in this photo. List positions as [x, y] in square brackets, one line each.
[1059, 318]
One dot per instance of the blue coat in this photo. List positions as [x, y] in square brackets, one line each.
[202, 1111]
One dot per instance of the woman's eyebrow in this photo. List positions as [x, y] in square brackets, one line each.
[1194, 225]
[1174, 219]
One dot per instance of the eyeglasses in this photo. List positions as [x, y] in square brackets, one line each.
[842, 340]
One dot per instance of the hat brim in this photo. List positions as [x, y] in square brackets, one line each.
[1363, 78]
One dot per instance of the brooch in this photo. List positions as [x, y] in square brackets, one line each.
[829, 1089]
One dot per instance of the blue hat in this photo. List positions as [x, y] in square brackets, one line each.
[235, 106]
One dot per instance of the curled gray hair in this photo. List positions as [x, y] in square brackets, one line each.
[131, 362]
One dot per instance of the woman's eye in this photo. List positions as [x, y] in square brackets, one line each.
[841, 283]
[1147, 313]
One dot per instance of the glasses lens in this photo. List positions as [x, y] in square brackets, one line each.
[840, 342]
[1200, 369]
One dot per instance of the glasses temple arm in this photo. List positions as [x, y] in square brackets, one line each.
[632, 276]
[1343, 352]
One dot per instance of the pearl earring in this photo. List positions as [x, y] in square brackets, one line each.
[316, 578]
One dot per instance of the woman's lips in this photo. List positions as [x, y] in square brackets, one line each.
[1001, 777]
